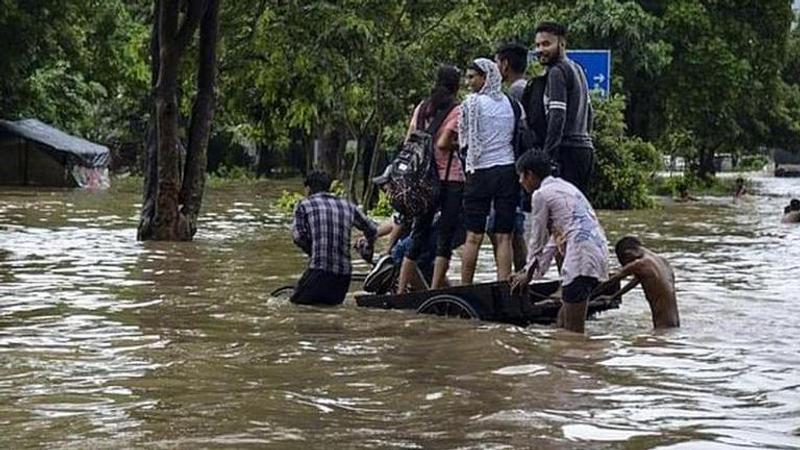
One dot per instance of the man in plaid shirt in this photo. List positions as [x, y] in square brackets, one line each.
[321, 228]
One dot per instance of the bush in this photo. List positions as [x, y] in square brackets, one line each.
[382, 208]
[716, 186]
[289, 200]
[625, 164]
[752, 163]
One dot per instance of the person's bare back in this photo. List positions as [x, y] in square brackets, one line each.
[658, 284]
[655, 275]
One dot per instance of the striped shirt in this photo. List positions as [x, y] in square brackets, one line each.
[321, 228]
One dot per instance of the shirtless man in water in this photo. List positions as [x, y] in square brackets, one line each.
[655, 275]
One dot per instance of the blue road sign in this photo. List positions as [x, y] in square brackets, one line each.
[597, 67]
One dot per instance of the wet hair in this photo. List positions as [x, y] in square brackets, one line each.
[740, 180]
[516, 55]
[794, 205]
[474, 66]
[318, 181]
[553, 28]
[536, 162]
[625, 244]
[443, 94]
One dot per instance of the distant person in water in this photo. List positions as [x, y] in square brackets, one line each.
[740, 190]
[791, 214]
[321, 228]
[683, 194]
[655, 275]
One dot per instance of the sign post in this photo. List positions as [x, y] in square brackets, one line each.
[597, 67]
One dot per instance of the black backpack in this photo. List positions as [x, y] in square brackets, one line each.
[413, 180]
[533, 102]
[522, 139]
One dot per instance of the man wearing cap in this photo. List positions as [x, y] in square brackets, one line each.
[568, 108]
[321, 228]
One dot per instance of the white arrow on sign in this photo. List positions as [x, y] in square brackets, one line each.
[599, 78]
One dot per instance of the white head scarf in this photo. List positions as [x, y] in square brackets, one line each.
[468, 127]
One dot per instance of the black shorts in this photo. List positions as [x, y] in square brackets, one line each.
[579, 290]
[447, 230]
[484, 186]
[318, 287]
[577, 166]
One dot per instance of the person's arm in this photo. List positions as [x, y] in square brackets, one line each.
[556, 110]
[628, 269]
[413, 124]
[539, 238]
[448, 137]
[386, 228]
[448, 141]
[540, 235]
[394, 235]
[367, 226]
[631, 284]
[300, 232]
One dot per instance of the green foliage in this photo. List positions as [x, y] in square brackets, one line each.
[382, 208]
[751, 163]
[624, 164]
[80, 65]
[288, 201]
[698, 77]
[672, 186]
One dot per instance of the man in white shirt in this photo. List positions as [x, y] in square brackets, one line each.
[563, 221]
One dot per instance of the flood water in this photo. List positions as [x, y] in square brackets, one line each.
[106, 342]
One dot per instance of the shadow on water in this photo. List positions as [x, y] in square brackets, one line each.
[107, 342]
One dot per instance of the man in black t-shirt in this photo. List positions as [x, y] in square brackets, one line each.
[568, 108]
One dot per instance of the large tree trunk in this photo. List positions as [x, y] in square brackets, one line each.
[194, 179]
[706, 169]
[151, 141]
[162, 216]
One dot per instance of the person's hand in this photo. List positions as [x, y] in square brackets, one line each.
[555, 168]
[519, 281]
[360, 242]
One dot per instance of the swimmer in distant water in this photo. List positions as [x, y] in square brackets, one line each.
[683, 194]
[741, 189]
[791, 214]
[655, 275]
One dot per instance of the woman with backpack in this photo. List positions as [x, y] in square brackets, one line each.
[486, 137]
[439, 115]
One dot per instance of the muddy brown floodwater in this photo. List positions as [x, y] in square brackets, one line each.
[106, 342]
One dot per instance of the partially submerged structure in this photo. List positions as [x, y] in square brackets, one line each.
[36, 154]
[787, 163]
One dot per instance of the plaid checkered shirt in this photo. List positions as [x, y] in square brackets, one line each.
[321, 228]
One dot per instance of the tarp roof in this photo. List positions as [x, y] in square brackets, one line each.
[88, 153]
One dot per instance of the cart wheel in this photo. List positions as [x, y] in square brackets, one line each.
[448, 306]
[283, 292]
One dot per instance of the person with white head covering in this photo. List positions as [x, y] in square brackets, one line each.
[486, 132]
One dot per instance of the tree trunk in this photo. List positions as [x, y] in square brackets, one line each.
[162, 217]
[151, 140]
[706, 169]
[194, 178]
[351, 185]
